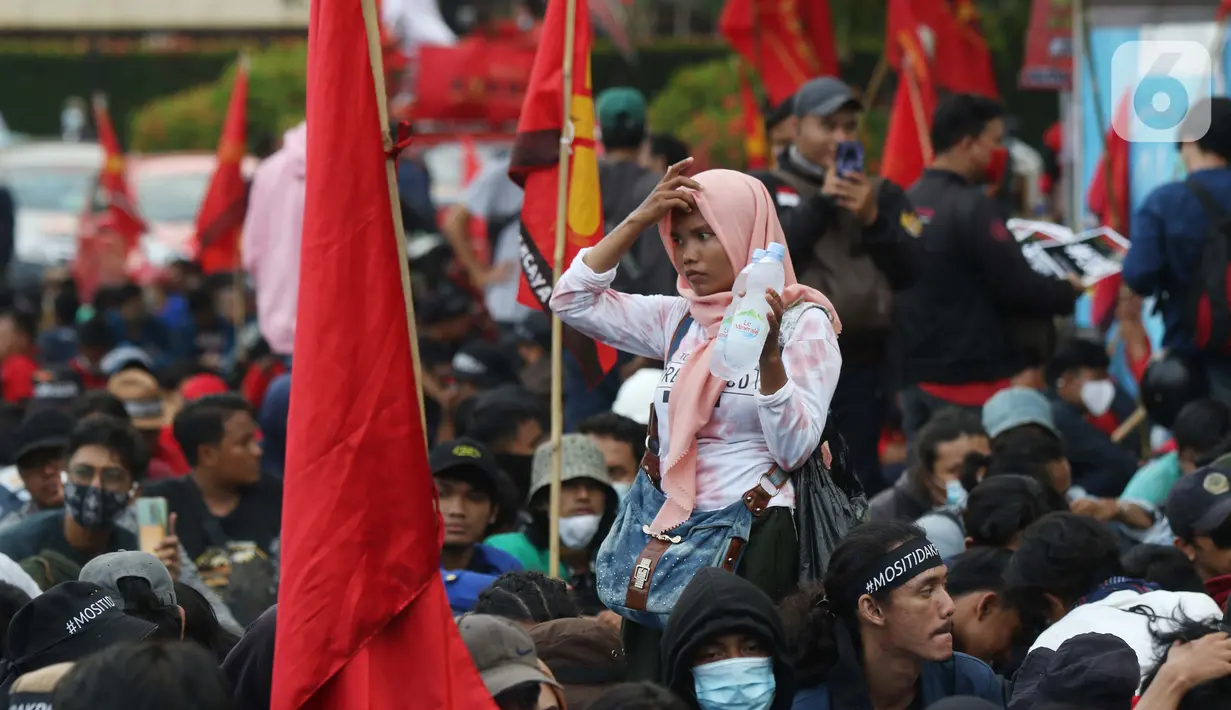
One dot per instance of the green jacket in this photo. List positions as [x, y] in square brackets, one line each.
[518, 545]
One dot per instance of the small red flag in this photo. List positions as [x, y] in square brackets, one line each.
[226, 201]
[771, 37]
[756, 148]
[908, 145]
[535, 166]
[363, 620]
[122, 216]
[974, 73]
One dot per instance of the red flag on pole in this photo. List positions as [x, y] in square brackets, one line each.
[1110, 201]
[363, 619]
[226, 200]
[535, 165]
[771, 37]
[756, 147]
[974, 73]
[908, 144]
[122, 215]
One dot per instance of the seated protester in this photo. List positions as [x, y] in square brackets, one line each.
[529, 598]
[1094, 670]
[996, 513]
[143, 397]
[638, 696]
[57, 345]
[480, 366]
[474, 494]
[37, 689]
[106, 464]
[1194, 670]
[145, 677]
[1082, 396]
[94, 341]
[985, 623]
[504, 654]
[65, 624]
[724, 647]
[532, 339]
[1199, 511]
[40, 443]
[880, 634]
[1067, 571]
[941, 447]
[18, 330]
[1164, 565]
[587, 509]
[201, 624]
[623, 443]
[511, 424]
[142, 586]
[1027, 451]
[249, 667]
[228, 515]
[1198, 430]
[584, 655]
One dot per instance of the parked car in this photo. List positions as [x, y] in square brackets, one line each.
[50, 182]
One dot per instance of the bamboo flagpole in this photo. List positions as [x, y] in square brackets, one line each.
[557, 328]
[371, 19]
[916, 108]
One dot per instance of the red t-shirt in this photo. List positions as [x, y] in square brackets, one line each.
[17, 377]
[972, 394]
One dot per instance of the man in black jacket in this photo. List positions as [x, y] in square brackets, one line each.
[854, 239]
[963, 327]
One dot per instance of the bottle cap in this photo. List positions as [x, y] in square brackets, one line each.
[757, 255]
[776, 250]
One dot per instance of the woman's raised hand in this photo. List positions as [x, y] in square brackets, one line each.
[667, 195]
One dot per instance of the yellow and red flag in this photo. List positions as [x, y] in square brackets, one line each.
[226, 200]
[121, 212]
[535, 166]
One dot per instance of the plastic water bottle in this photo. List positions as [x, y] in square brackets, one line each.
[717, 366]
[749, 329]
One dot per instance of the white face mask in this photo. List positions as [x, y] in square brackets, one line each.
[577, 532]
[622, 489]
[1097, 395]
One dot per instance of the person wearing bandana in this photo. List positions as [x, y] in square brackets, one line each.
[879, 634]
[107, 460]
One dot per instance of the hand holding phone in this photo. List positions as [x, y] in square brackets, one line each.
[151, 522]
[849, 158]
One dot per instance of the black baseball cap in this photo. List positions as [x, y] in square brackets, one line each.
[1200, 502]
[68, 622]
[43, 430]
[535, 328]
[485, 365]
[468, 460]
[55, 388]
[824, 96]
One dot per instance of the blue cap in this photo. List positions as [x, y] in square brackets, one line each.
[776, 250]
[1014, 407]
[757, 255]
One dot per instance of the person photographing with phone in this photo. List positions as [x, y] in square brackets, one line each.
[852, 237]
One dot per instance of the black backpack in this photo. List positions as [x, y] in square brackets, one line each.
[1208, 308]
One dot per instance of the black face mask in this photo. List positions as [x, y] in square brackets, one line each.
[92, 507]
[517, 466]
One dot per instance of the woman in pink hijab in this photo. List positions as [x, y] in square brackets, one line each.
[717, 438]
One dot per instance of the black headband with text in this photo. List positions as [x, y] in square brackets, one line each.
[896, 567]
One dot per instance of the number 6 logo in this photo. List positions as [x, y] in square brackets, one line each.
[1168, 84]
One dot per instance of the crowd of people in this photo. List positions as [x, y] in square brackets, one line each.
[1044, 543]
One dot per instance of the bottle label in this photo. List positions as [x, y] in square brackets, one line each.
[749, 323]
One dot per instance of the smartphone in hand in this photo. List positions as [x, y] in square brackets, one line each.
[151, 522]
[849, 158]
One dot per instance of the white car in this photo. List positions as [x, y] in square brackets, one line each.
[50, 183]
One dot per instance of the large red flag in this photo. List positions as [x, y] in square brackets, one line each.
[222, 211]
[363, 619]
[951, 40]
[122, 216]
[535, 166]
[772, 37]
[908, 148]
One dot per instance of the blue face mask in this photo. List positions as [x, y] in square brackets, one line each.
[955, 494]
[735, 684]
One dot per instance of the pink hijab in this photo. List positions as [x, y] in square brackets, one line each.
[742, 215]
